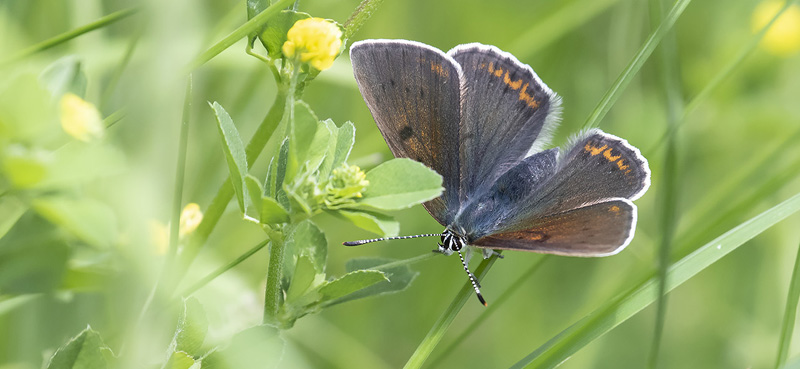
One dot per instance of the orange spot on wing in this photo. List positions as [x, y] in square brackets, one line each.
[608, 156]
[515, 85]
[528, 99]
[614, 209]
[593, 150]
[621, 165]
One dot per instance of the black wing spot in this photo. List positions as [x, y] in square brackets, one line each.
[421, 93]
[391, 81]
[406, 133]
[408, 90]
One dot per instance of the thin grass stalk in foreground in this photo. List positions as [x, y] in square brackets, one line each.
[635, 65]
[66, 36]
[789, 315]
[239, 33]
[494, 307]
[620, 309]
[723, 74]
[667, 64]
[440, 326]
[123, 63]
[213, 275]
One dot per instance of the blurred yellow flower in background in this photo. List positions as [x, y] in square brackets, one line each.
[783, 38]
[191, 216]
[315, 41]
[80, 119]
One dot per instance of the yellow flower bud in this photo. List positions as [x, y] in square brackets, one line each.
[315, 41]
[783, 38]
[191, 216]
[80, 119]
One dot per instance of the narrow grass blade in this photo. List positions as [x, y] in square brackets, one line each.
[66, 36]
[218, 272]
[789, 315]
[666, 63]
[554, 26]
[635, 65]
[493, 308]
[245, 29]
[605, 318]
[440, 327]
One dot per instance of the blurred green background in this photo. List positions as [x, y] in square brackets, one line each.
[737, 155]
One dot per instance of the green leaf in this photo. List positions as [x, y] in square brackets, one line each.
[87, 219]
[399, 278]
[350, 283]
[33, 258]
[319, 147]
[234, 151]
[280, 174]
[304, 128]
[605, 318]
[84, 351]
[377, 223]
[80, 164]
[179, 360]
[269, 182]
[274, 34]
[339, 147]
[303, 278]
[268, 211]
[400, 183]
[64, 75]
[309, 240]
[192, 328]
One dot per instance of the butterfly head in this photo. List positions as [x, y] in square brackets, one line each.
[451, 242]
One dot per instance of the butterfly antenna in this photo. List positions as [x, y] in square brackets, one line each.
[361, 242]
[472, 279]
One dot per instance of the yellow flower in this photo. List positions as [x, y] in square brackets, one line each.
[159, 236]
[315, 41]
[80, 119]
[783, 38]
[191, 216]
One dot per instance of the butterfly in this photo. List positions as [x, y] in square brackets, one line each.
[482, 120]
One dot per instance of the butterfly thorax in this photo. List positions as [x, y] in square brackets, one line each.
[451, 242]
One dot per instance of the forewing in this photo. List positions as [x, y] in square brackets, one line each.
[507, 111]
[413, 92]
[599, 229]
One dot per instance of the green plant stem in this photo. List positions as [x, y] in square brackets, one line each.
[443, 323]
[613, 93]
[362, 13]
[273, 296]
[245, 29]
[493, 308]
[123, 63]
[622, 308]
[66, 36]
[789, 315]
